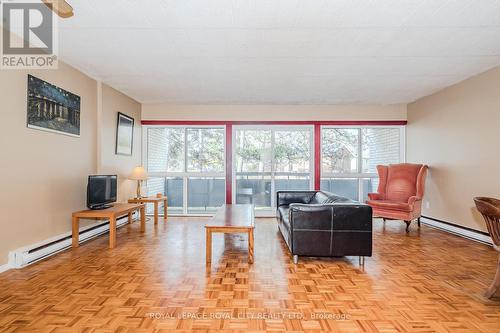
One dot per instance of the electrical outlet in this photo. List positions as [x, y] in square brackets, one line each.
[427, 204]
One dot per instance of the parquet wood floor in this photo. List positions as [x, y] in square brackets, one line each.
[424, 281]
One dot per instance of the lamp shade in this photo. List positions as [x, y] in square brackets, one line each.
[139, 174]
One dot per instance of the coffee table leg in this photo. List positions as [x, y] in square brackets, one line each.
[130, 217]
[250, 246]
[143, 218]
[74, 229]
[112, 232]
[209, 246]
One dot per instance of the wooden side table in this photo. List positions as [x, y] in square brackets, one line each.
[156, 201]
[112, 214]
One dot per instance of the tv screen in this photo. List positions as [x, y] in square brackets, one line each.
[101, 191]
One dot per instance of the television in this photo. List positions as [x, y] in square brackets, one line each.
[101, 191]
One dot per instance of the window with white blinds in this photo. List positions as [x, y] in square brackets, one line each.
[187, 165]
[165, 148]
[380, 146]
[350, 155]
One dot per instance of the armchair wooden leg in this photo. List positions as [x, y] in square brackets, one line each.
[495, 285]
[407, 226]
[418, 222]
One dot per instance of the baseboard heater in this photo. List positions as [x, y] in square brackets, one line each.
[475, 235]
[30, 254]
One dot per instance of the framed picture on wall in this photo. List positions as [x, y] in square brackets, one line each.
[124, 134]
[52, 109]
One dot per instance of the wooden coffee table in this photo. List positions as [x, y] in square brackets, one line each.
[231, 219]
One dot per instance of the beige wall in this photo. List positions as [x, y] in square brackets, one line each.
[457, 132]
[273, 112]
[43, 174]
[113, 102]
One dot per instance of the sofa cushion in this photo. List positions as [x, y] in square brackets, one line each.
[323, 197]
[320, 198]
[338, 199]
[389, 204]
[284, 198]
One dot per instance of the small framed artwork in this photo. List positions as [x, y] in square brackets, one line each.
[124, 134]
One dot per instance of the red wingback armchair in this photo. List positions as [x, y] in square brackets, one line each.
[400, 192]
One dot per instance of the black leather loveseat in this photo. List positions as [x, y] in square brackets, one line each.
[319, 224]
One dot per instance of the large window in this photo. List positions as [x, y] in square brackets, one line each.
[349, 157]
[187, 164]
[268, 159]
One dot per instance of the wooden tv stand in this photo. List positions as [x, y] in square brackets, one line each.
[111, 213]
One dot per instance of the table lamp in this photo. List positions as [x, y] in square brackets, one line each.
[139, 174]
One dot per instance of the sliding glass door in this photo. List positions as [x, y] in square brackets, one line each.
[187, 164]
[252, 164]
[267, 159]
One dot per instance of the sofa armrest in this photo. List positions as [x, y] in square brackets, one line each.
[413, 199]
[352, 217]
[376, 196]
[285, 198]
[310, 217]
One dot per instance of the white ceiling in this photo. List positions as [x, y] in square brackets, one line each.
[281, 51]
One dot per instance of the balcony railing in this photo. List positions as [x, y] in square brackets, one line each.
[259, 188]
[191, 195]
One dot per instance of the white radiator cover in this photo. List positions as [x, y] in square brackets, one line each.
[456, 230]
[28, 255]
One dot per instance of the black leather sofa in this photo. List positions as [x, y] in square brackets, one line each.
[321, 224]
